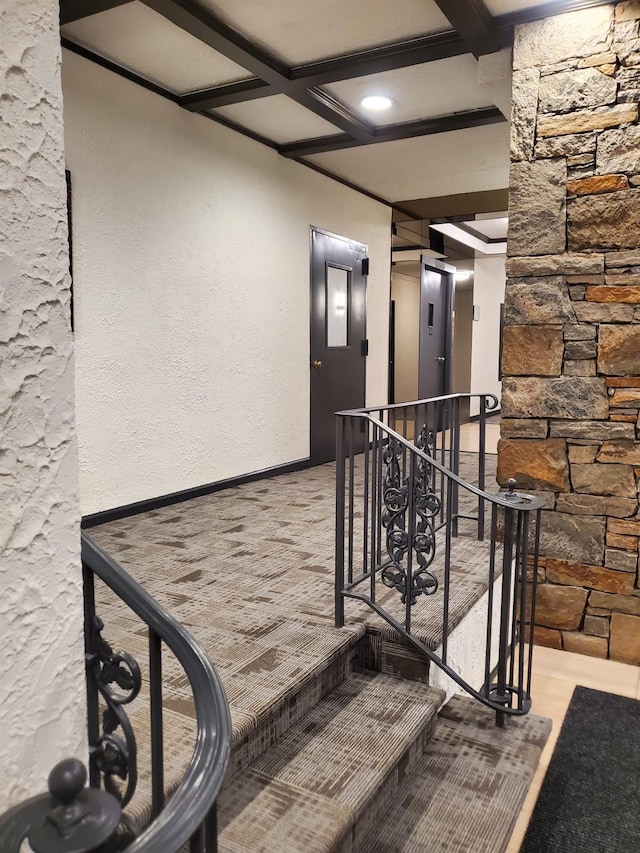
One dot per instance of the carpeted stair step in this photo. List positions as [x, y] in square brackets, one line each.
[319, 788]
[465, 793]
[270, 685]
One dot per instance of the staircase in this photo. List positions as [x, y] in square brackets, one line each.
[372, 767]
[332, 754]
[352, 760]
[342, 678]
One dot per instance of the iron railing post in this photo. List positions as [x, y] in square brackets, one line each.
[482, 452]
[211, 830]
[505, 614]
[455, 461]
[93, 708]
[534, 590]
[157, 738]
[340, 508]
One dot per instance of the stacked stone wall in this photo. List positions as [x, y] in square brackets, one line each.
[571, 355]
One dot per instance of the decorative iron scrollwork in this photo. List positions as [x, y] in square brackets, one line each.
[426, 504]
[114, 754]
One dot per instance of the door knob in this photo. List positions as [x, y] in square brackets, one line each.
[316, 363]
[440, 358]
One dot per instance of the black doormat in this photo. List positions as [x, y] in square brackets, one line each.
[590, 797]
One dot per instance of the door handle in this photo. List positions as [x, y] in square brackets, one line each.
[316, 364]
[440, 358]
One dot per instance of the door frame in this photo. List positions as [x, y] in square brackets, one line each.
[447, 272]
[316, 229]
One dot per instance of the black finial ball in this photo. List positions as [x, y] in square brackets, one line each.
[66, 780]
[511, 483]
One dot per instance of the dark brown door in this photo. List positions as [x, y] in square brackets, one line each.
[436, 292]
[338, 335]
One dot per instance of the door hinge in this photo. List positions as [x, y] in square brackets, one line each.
[364, 347]
[365, 266]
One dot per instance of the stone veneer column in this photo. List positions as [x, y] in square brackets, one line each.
[42, 706]
[571, 389]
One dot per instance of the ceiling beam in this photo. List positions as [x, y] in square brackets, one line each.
[389, 58]
[231, 93]
[394, 132]
[118, 69]
[473, 22]
[170, 96]
[209, 29]
[73, 10]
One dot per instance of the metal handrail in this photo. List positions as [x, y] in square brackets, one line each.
[400, 480]
[510, 502]
[457, 396]
[192, 801]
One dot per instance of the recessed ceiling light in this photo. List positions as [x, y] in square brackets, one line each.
[376, 103]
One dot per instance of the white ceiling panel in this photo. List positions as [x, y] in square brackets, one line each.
[463, 161]
[494, 228]
[278, 118]
[503, 7]
[300, 31]
[420, 91]
[143, 41]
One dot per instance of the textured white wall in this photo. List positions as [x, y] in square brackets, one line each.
[462, 339]
[405, 290]
[191, 289]
[42, 714]
[488, 294]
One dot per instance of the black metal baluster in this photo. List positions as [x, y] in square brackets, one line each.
[380, 502]
[196, 845]
[505, 610]
[211, 830]
[440, 423]
[482, 451]
[93, 705]
[455, 459]
[410, 529]
[490, 591]
[340, 509]
[514, 603]
[524, 550]
[431, 420]
[421, 420]
[365, 514]
[155, 706]
[375, 474]
[447, 574]
[353, 424]
[375, 501]
[534, 590]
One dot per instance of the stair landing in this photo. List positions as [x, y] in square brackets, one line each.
[250, 572]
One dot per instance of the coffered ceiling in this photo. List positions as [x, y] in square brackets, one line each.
[292, 74]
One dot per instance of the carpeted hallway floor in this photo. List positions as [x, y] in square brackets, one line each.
[249, 571]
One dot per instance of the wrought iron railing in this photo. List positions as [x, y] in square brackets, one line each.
[404, 496]
[74, 818]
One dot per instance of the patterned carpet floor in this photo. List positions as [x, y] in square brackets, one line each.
[249, 571]
[467, 790]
